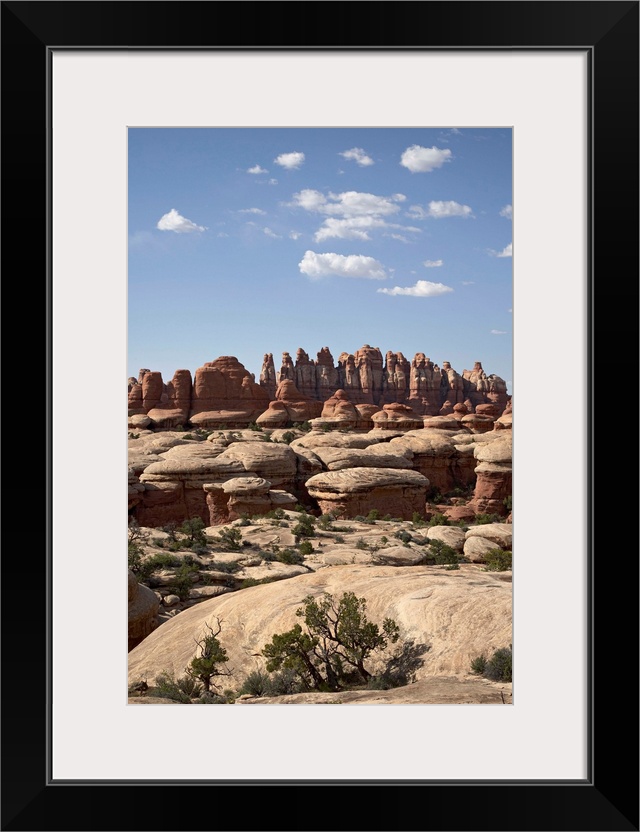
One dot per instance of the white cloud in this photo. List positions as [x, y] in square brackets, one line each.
[348, 203]
[507, 212]
[507, 251]
[422, 289]
[498, 332]
[291, 161]
[358, 155]
[419, 159]
[399, 237]
[352, 214]
[294, 235]
[173, 221]
[352, 265]
[222, 234]
[257, 169]
[433, 264]
[271, 233]
[439, 209]
[467, 282]
[251, 211]
[273, 182]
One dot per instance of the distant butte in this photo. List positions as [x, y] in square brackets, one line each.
[358, 386]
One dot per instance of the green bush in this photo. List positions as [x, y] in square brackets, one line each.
[290, 556]
[325, 522]
[479, 664]
[404, 536]
[288, 437]
[254, 426]
[484, 519]
[306, 547]
[134, 558]
[438, 520]
[231, 538]
[417, 519]
[193, 530]
[361, 543]
[443, 555]
[507, 502]
[182, 690]
[304, 527]
[498, 560]
[256, 683]
[499, 666]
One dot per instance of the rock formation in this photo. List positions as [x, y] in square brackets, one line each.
[290, 406]
[223, 392]
[355, 491]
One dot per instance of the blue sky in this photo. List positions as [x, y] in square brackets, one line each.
[247, 241]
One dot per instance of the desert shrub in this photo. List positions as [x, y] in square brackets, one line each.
[499, 666]
[387, 517]
[243, 521]
[305, 547]
[379, 683]
[254, 426]
[438, 520]
[507, 502]
[325, 522]
[208, 698]
[256, 683]
[188, 436]
[161, 560]
[373, 515]
[247, 582]
[193, 530]
[284, 682]
[478, 664]
[443, 555]
[134, 435]
[434, 495]
[183, 582]
[288, 437]
[134, 558]
[304, 527]
[498, 560]
[484, 519]
[170, 530]
[158, 541]
[417, 519]
[289, 556]
[274, 514]
[228, 566]
[338, 538]
[384, 539]
[182, 690]
[404, 536]
[303, 426]
[179, 428]
[361, 543]
[231, 538]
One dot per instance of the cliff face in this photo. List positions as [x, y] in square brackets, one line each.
[224, 392]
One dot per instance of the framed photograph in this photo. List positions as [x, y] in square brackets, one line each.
[563, 78]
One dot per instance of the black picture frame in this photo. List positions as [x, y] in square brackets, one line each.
[608, 798]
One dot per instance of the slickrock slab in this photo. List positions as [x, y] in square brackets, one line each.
[457, 615]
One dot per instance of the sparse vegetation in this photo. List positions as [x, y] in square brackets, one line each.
[288, 437]
[304, 527]
[443, 555]
[507, 502]
[438, 520]
[498, 668]
[231, 538]
[484, 519]
[498, 560]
